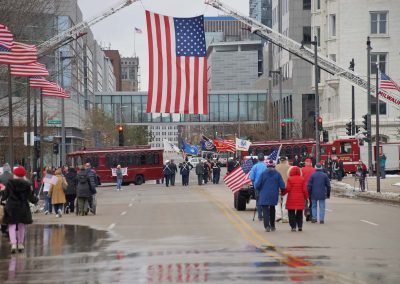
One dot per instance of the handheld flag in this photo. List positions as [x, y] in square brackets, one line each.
[190, 149]
[177, 65]
[170, 147]
[242, 145]
[387, 83]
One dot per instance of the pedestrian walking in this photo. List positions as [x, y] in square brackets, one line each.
[17, 193]
[382, 165]
[167, 173]
[255, 173]
[319, 189]
[184, 170]
[118, 173]
[174, 170]
[361, 174]
[83, 191]
[281, 212]
[216, 171]
[206, 171]
[4, 178]
[57, 193]
[307, 171]
[269, 183]
[47, 183]
[93, 181]
[328, 167]
[296, 194]
[200, 173]
[70, 193]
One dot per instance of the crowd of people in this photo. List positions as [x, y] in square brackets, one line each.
[60, 188]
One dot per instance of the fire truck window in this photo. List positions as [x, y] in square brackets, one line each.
[304, 149]
[136, 160]
[345, 148]
[323, 150]
[122, 160]
[156, 159]
[150, 159]
[142, 159]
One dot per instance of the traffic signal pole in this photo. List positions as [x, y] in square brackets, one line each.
[370, 170]
[353, 111]
[377, 164]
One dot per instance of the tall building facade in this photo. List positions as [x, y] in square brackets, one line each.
[130, 76]
[342, 36]
[115, 59]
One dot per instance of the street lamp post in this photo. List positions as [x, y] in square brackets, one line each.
[317, 134]
[353, 126]
[280, 103]
[370, 171]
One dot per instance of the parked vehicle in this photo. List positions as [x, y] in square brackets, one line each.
[195, 160]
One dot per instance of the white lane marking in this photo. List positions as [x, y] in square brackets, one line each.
[368, 222]
[111, 226]
[329, 210]
[123, 213]
[130, 204]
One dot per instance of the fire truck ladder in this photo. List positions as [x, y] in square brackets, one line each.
[79, 29]
[295, 48]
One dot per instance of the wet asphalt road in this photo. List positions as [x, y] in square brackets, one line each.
[154, 234]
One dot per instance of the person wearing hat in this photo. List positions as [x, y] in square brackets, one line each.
[281, 212]
[17, 193]
[269, 183]
[200, 172]
[307, 171]
[174, 170]
[361, 173]
[255, 173]
[167, 172]
[185, 169]
[319, 188]
[4, 178]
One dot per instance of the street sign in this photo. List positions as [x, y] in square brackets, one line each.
[45, 138]
[54, 122]
[288, 119]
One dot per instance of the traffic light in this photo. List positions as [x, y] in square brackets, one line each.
[348, 128]
[55, 148]
[365, 121]
[319, 122]
[120, 135]
[283, 124]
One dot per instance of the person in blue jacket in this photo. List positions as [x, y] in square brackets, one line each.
[269, 183]
[255, 172]
[319, 188]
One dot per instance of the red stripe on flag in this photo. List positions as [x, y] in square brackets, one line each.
[178, 85]
[159, 62]
[151, 62]
[205, 90]
[187, 78]
[20, 54]
[196, 85]
[236, 179]
[29, 70]
[169, 65]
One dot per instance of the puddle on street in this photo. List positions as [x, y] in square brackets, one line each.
[79, 254]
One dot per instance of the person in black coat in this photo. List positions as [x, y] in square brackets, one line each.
[167, 170]
[83, 191]
[70, 193]
[174, 170]
[17, 210]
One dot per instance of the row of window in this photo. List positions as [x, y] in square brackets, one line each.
[286, 151]
[132, 159]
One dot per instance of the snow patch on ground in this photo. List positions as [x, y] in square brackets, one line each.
[351, 191]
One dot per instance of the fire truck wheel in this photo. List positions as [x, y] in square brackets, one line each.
[139, 179]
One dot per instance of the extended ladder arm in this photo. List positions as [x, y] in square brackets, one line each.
[293, 46]
[77, 30]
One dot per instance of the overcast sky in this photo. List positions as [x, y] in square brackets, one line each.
[117, 30]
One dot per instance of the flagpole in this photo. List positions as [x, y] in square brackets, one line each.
[134, 43]
[28, 125]
[378, 174]
[41, 146]
[35, 132]
[10, 122]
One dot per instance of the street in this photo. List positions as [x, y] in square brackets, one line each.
[152, 234]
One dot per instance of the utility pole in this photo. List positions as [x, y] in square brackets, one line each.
[238, 110]
[280, 103]
[63, 148]
[370, 170]
[317, 134]
[353, 111]
[377, 164]
[10, 122]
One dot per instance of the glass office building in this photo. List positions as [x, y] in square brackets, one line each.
[224, 107]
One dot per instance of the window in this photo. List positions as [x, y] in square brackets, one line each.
[380, 59]
[382, 107]
[306, 4]
[332, 25]
[379, 22]
[317, 4]
[307, 34]
[332, 57]
[345, 148]
[318, 34]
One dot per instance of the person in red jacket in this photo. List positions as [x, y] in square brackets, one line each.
[307, 171]
[297, 194]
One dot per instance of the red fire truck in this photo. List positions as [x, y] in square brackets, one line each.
[347, 150]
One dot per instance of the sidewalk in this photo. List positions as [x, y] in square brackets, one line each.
[390, 189]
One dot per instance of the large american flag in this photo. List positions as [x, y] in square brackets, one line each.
[177, 65]
[28, 70]
[236, 179]
[387, 83]
[6, 43]
[20, 53]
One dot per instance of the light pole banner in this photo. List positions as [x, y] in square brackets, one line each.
[242, 145]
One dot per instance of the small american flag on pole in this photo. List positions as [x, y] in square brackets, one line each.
[138, 31]
[28, 70]
[20, 53]
[177, 65]
[239, 176]
[387, 83]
